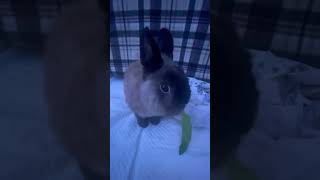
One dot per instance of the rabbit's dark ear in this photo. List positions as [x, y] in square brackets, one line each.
[149, 52]
[165, 42]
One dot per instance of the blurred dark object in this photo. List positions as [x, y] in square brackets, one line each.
[235, 97]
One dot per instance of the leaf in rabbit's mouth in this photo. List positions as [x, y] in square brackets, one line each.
[186, 133]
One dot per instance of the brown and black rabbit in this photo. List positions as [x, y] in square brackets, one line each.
[155, 86]
[75, 84]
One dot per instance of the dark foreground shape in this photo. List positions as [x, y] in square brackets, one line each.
[235, 96]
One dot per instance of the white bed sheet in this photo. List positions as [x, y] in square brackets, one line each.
[152, 153]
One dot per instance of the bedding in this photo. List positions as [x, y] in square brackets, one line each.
[153, 152]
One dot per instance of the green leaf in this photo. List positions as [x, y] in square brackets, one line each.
[186, 133]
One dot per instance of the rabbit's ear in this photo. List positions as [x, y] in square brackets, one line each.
[149, 52]
[165, 42]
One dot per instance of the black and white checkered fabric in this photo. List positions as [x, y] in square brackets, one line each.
[289, 28]
[188, 21]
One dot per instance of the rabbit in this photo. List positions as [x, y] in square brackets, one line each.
[75, 84]
[155, 86]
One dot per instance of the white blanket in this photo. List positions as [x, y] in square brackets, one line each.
[152, 153]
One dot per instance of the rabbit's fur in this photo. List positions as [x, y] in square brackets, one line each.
[75, 83]
[146, 81]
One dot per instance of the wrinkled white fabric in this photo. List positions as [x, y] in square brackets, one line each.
[153, 152]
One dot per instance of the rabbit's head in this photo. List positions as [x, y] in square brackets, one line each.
[163, 87]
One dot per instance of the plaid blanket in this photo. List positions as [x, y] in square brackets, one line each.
[289, 28]
[188, 21]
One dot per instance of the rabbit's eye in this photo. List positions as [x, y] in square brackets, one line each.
[164, 88]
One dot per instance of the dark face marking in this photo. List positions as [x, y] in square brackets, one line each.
[178, 84]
